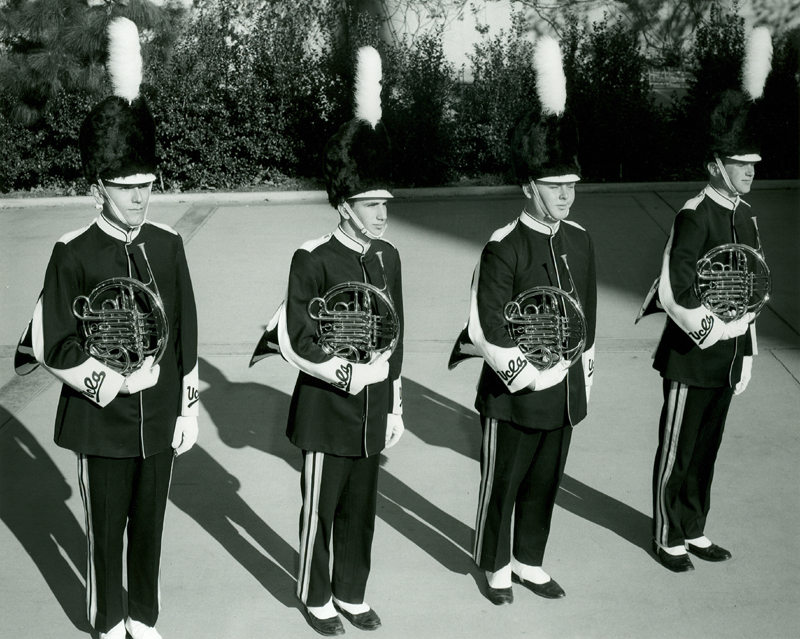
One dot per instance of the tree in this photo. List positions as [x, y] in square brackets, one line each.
[662, 26]
[715, 64]
[502, 90]
[53, 46]
[609, 92]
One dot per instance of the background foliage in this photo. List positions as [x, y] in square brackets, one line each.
[246, 93]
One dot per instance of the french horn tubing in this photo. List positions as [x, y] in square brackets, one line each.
[733, 279]
[122, 321]
[356, 320]
[548, 324]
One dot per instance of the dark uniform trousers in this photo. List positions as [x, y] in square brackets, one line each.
[521, 470]
[120, 492]
[339, 504]
[690, 433]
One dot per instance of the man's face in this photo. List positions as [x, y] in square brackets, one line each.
[373, 214]
[131, 200]
[557, 198]
[741, 174]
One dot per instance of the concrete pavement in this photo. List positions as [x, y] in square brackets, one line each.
[231, 533]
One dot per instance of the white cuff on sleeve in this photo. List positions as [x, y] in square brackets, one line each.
[397, 401]
[587, 359]
[190, 395]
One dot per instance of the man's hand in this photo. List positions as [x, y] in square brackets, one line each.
[380, 366]
[372, 372]
[185, 435]
[550, 377]
[747, 371]
[140, 379]
[738, 327]
[394, 429]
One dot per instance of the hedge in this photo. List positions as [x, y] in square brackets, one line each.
[237, 107]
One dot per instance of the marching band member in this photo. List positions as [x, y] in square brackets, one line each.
[703, 359]
[344, 413]
[126, 427]
[527, 415]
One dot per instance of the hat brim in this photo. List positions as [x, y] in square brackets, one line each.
[377, 194]
[560, 179]
[137, 178]
[748, 157]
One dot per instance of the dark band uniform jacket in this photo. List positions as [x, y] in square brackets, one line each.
[92, 418]
[524, 254]
[325, 415]
[690, 350]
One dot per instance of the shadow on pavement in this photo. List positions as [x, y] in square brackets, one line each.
[584, 501]
[36, 512]
[208, 493]
[252, 414]
[439, 421]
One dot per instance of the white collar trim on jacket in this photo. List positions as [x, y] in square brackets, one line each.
[114, 231]
[723, 200]
[348, 241]
[540, 227]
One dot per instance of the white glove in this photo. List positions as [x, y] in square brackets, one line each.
[371, 373]
[550, 377]
[379, 367]
[737, 328]
[394, 429]
[747, 371]
[144, 377]
[185, 434]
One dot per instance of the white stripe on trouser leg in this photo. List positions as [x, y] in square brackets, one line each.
[487, 482]
[91, 571]
[161, 545]
[312, 479]
[676, 404]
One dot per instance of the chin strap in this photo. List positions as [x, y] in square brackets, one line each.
[347, 213]
[725, 177]
[117, 214]
[538, 199]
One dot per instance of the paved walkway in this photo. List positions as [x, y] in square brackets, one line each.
[231, 533]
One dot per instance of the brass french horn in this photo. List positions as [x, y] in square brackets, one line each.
[356, 320]
[122, 321]
[547, 323]
[733, 279]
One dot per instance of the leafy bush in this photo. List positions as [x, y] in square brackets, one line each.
[235, 106]
[612, 100]
[418, 112]
[502, 89]
[245, 92]
[716, 61]
[781, 138]
[44, 154]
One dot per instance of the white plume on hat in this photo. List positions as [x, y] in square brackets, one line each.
[757, 62]
[124, 58]
[551, 83]
[368, 86]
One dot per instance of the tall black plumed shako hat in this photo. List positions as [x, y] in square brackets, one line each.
[117, 139]
[544, 142]
[357, 159]
[734, 126]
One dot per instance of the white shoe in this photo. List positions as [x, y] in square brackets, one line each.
[138, 630]
[117, 632]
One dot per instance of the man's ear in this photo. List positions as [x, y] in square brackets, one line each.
[344, 210]
[98, 197]
[527, 190]
[712, 169]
